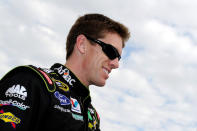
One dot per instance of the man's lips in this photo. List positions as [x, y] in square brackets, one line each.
[106, 70]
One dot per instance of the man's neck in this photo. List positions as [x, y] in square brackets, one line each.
[78, 70]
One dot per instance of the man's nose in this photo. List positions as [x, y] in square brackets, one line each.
[114, 63]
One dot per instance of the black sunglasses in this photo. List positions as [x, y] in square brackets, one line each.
[108, 49]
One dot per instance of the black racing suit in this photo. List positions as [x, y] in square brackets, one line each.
[33, 99]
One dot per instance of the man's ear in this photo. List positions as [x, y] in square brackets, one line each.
[80, 43]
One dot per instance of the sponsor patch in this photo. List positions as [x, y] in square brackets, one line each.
[95, 123]
[68, 78]
[75, 105]
[47, 70]
[66, 75]
[10, 102]
[89, 116]
[90, 125]
[91, 110]
[92, 118]
[77, 117]
[61, 108]
[62, 86]
[16, 91]
[62, 98]
[8, 117]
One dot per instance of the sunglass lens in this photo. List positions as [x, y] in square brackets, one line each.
[111, 52]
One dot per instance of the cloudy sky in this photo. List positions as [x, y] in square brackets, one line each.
[155, 87]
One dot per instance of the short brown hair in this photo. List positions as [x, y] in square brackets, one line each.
[94, 25]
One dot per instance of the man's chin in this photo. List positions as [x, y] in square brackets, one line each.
[101, 84]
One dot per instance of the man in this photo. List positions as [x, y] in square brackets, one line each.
[58, 98]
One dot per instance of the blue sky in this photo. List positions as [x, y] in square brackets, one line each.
[155, 87]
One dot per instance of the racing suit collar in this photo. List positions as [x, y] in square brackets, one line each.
[72, 80]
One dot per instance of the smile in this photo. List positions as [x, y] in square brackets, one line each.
[106, 71]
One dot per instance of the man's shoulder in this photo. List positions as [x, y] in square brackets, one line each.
[30, 73]
[24, 70]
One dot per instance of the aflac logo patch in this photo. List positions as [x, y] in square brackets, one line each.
[75, 105]
[66, 75]
[68, 78]
[17, 91]
[63, 99]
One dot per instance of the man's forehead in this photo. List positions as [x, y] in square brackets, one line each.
[113, 39]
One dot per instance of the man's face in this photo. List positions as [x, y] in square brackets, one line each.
[98, 65]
